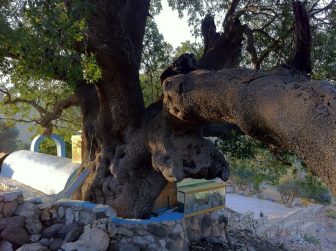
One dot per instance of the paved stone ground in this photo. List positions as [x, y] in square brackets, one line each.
[7, 184]
[244, 204]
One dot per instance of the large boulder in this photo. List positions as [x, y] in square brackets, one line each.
[55, 244]
[9, 203]
[18, 221]
[33, 247]
[92, 239]
[33, 226]
[67, 228]
[159, 230]
[9, 208]
[6, 246]
[12, 196]
[52, 230]
[16, 235]
[29, 210]
[73, 234]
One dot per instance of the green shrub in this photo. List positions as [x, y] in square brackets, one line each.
[330, 213]
[48, 146]
[252, 163]
[288, 189]
[311, 239]
[241, 178]
[314, 189]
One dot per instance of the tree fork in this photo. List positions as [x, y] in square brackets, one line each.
[138, 150]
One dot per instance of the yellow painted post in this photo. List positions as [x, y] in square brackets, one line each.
[77, 149]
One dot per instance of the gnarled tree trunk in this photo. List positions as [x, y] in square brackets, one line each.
[133, 152]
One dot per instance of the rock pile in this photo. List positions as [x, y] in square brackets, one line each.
[26, 226]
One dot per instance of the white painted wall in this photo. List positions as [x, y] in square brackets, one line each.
[43, 172]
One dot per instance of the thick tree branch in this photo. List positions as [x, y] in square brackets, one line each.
[277, 107]
[251, 47]
[223, 51]
[16, 120]
[209, 32]
[12, 101]
[313, 12]
[230, 12]
[275, 45]
[57, 110]
[301, 60]
[46, 116]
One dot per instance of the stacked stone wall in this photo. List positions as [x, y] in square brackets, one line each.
[68, 225]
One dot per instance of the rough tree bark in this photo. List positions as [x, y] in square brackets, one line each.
[222, 50]
[133, 152]
[279, 108]
[121, 173]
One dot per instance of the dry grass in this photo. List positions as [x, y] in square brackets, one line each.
[305, 202]
[6, 188]
[311, 239]
[330, 213]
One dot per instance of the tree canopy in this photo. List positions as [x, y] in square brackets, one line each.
[42, 63]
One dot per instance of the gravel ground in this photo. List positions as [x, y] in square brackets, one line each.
[272, 210]
[7, 184]
[323, 240]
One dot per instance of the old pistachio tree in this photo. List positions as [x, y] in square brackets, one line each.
[132, 151]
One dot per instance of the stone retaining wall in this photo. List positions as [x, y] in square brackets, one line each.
[76, 225]
[298, 224]
[214, 224]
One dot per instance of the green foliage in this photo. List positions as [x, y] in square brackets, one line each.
[91, 71]
[324, 53]
[330, 213]
[251, 161]
[287, 185]
[156, 56]
[311, 239]
[308, 187]
[196, 10]
[39, 39]
[289, 189]
[39, 59]
[311, 187]
[9, 138]
[43, 93]
[155, 7]
[238, 146]
[272, 26]
[242, 177]
[48, 146]
[189, 47]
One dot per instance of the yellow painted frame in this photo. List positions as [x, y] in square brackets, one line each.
[204, 211]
